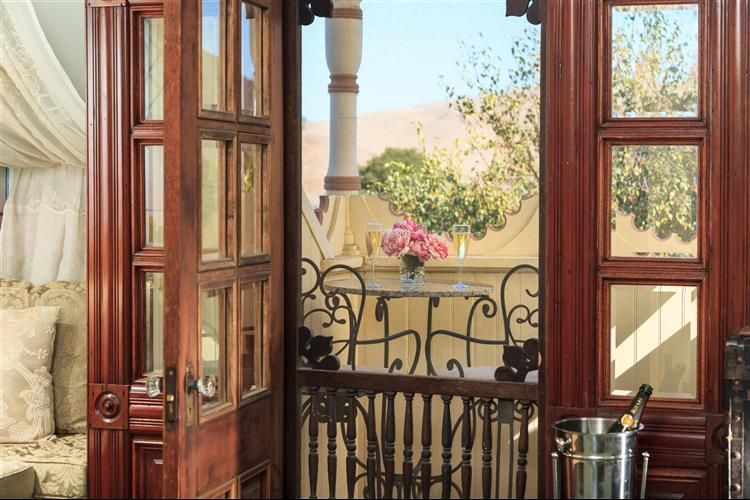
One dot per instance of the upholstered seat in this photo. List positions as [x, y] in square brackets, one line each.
[16, 479]
[59, 464]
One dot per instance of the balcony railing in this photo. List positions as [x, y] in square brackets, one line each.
[473, 436]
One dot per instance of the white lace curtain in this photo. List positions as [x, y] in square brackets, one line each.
[43, 141]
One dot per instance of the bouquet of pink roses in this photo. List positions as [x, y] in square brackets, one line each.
[415, 246]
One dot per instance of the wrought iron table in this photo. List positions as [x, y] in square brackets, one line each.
[433, 290]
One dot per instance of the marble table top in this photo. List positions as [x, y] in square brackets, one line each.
[392, 288]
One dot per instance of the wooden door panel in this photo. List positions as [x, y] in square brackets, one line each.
[216, 333]
[146, 455]
[683, 430]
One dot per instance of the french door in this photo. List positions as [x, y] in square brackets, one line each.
[647, 260]
[223, 149]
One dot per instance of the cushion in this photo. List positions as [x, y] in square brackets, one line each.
[27, 339]
[16, 479]
[14, 294]
[69, 361]
[59, 464]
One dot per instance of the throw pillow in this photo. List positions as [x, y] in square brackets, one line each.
[27, 339]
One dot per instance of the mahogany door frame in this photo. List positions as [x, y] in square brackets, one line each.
[569, 226]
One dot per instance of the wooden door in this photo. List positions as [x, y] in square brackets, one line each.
[223, 318]
[647, 260]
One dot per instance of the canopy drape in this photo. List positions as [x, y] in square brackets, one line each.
[43, 142]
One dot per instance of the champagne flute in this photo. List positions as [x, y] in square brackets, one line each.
[373, 236]
[461, 234]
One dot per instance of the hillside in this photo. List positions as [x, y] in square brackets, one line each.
[376, 131]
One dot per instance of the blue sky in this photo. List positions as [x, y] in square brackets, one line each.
[407, 46]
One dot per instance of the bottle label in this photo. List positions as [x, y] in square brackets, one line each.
[627, 420]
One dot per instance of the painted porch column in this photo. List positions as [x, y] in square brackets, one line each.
[343, 55]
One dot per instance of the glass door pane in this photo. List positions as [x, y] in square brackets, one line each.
[216, 320]
[655, 62]
[654, 201]
[213, 55]
[153, 68]
[153, 193]
[154, 323]
[251, 43]
[213, 199]
[251, 198]
[654, 340]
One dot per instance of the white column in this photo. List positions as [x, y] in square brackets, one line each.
[343, 55]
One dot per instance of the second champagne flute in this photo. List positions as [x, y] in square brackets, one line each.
[373, 236]
[460, 234]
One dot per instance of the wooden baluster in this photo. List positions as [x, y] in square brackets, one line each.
[389, 448]
[408, 442]
[312, 457]
[351, 444]
[523, 449]
[426, 444]
[487, 449]
[372, 446]
[466, 446]
[332, 464]
[447, 446]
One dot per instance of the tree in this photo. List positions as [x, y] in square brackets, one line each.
[653, 74]
[378, 167]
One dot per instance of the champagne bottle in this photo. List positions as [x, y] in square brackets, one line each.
[631, 418]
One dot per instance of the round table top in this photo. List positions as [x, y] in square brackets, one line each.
[392, 288]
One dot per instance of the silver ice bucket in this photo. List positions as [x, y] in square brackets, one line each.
[590, 463]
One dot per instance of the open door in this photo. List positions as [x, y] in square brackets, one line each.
[223, 267]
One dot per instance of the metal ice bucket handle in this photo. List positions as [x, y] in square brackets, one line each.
[557, 474]
[644, 473]
[556, 486]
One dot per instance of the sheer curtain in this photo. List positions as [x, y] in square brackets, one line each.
[43, 141]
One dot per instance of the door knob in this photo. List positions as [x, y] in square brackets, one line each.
[206, 385]
[154, 386]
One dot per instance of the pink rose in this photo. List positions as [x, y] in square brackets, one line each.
[395, 242]
[409, 225]
[437, 246]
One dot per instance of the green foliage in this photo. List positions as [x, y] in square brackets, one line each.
[378, 167]
[651, 72]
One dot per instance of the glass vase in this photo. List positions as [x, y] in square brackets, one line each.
[411, 271]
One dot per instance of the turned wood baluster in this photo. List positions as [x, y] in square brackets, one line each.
[426, 444]
[351, 444]
[523, 449]
[332, 443]
[487, 449]
[389, 448]
[408, 441]
[447, 446]
[372, 446]
[312, 456]
[466, 445]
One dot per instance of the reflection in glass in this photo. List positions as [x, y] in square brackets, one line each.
[654, 196]
[153, 68]
[212, 55]
[215, 317]
[251, 338]
[251, 40]
[153, 194]
[154, 327]
[251, 198]
[212, 210]
[253, 487]
[655, 61]
[654, 339]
